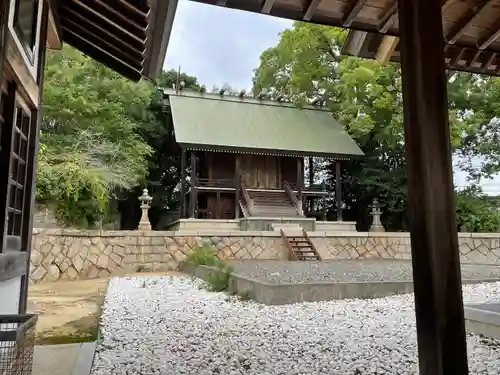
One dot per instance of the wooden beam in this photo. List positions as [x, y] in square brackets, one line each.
[355, 43]
[29, 205]
[474, 59]
[268, 5]
[391, 16]
[386, 48]
[132, 8]
[388, 18]
[17, 71]
[455, 60]
[300, 183]
[353, 9]
[489, 61]
[53, 33]
[112, 24]
[8, 113]
[338, 190]
[310, 8]
[467, 20]
[183, 183]
[193, 199]
[434, 241]
[103, 52]
[119, 42]
[127, 20]
[487, 40]
[89, 37]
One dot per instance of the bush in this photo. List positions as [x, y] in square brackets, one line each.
[207, 256]
[219, 279]
[477, 214]
[202, 256]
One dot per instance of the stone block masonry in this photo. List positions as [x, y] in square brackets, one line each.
[65, 254]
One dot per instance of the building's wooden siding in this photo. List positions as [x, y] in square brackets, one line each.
[226, 207]
[289, 169]
[257, 171]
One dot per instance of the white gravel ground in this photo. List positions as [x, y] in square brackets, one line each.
[170, 325]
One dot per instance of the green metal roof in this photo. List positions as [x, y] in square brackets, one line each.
[211, 122]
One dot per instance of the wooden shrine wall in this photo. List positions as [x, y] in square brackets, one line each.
[257, 171]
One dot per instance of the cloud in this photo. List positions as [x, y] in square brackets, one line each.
[220, 45]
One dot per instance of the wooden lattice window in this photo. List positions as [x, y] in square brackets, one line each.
[17, 175]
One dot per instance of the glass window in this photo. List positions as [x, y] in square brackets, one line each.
[25, 18]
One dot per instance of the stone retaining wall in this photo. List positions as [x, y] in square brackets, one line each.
[61, 254]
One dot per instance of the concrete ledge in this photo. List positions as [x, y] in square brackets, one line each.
[483, 319]
[85, 359]
[282, 294]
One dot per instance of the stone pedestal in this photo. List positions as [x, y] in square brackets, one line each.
[376, 212]
[145, 199]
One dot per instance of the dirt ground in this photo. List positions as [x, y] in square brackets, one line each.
[69, 311]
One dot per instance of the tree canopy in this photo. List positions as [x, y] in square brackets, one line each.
[105, 138]
[366, 97]
[91, 149]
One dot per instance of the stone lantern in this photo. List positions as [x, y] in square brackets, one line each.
[145, 199]
[376, 212]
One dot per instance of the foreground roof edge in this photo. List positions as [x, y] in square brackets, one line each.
[161, 17]
[385, 48]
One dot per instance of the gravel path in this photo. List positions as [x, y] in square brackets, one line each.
[171, 325]
[285, 272]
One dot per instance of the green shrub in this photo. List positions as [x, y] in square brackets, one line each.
[206, 255]
[219, 279]
[476, 213]
[202, 256]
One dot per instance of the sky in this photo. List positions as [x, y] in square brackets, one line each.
[220, 45]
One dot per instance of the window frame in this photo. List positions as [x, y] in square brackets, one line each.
[29, 50]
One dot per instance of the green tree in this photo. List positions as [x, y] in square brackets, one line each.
[365, 96]
[476, 212]
[163, 173]
[92, 150]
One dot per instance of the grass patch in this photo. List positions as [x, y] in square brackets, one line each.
[202, 256]
[206, 255]
[68, 338]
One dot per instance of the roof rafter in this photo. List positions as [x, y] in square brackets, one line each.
[466, 21]
[388, 18]
[311, 7]
[352, 10]
[268, 5]
[490, 60]
[474, 59]
[112, 24]
[492, 37]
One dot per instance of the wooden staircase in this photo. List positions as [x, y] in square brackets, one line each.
[272, 203]
[300, 246]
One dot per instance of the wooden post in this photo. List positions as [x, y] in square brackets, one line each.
[300, 182]
[323, 185]
[217, 209]
[311, 182]
[237, 189]
[183, 183]
[33, 147]
[193, 197]
[434, 243]
[338, 190]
